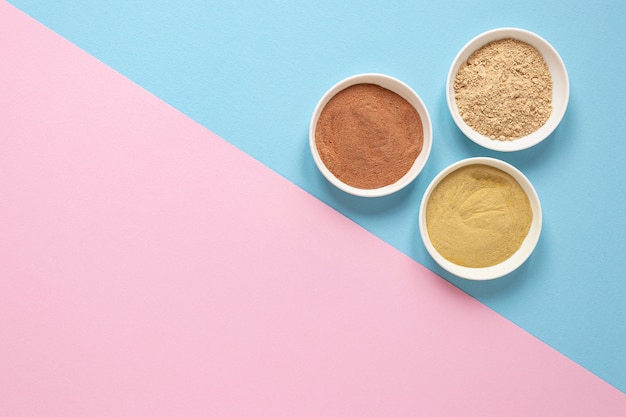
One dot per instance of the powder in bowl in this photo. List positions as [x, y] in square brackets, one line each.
[478, 216]
[368, 136]
[504, 90]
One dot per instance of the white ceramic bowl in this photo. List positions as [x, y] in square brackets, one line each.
[560, 88]
[403, 91]
[519, 257]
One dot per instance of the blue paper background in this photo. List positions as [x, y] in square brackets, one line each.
[252, 72]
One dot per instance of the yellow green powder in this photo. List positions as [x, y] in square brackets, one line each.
[478, 216]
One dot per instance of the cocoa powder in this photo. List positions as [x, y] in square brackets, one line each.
[368, 136]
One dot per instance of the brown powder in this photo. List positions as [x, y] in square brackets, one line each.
[504, 90]
[478, 216]
[368, 136]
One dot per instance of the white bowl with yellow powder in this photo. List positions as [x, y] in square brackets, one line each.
[480, 218]
[370, 135]
[507, 89]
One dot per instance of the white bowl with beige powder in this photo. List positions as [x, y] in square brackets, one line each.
[370, 135]
[507, 89]
[480, 218]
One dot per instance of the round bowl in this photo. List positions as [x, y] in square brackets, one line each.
[508, 265]
[403, 91]
[560, 88]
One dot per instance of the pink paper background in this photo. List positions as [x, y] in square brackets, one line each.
[150, 268]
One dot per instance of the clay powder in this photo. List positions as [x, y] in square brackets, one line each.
[368, 136]
[478, 216]
[504, 90]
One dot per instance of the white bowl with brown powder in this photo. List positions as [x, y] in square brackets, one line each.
[507, 89]
[480, 218]
[370, 135]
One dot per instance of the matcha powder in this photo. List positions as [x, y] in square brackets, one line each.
[478, 216]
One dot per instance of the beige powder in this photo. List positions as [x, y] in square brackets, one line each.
[504, 90]
[478, 216]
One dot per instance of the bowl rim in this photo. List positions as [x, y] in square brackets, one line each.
[513, 262]
[560, 92]
[404, 91]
